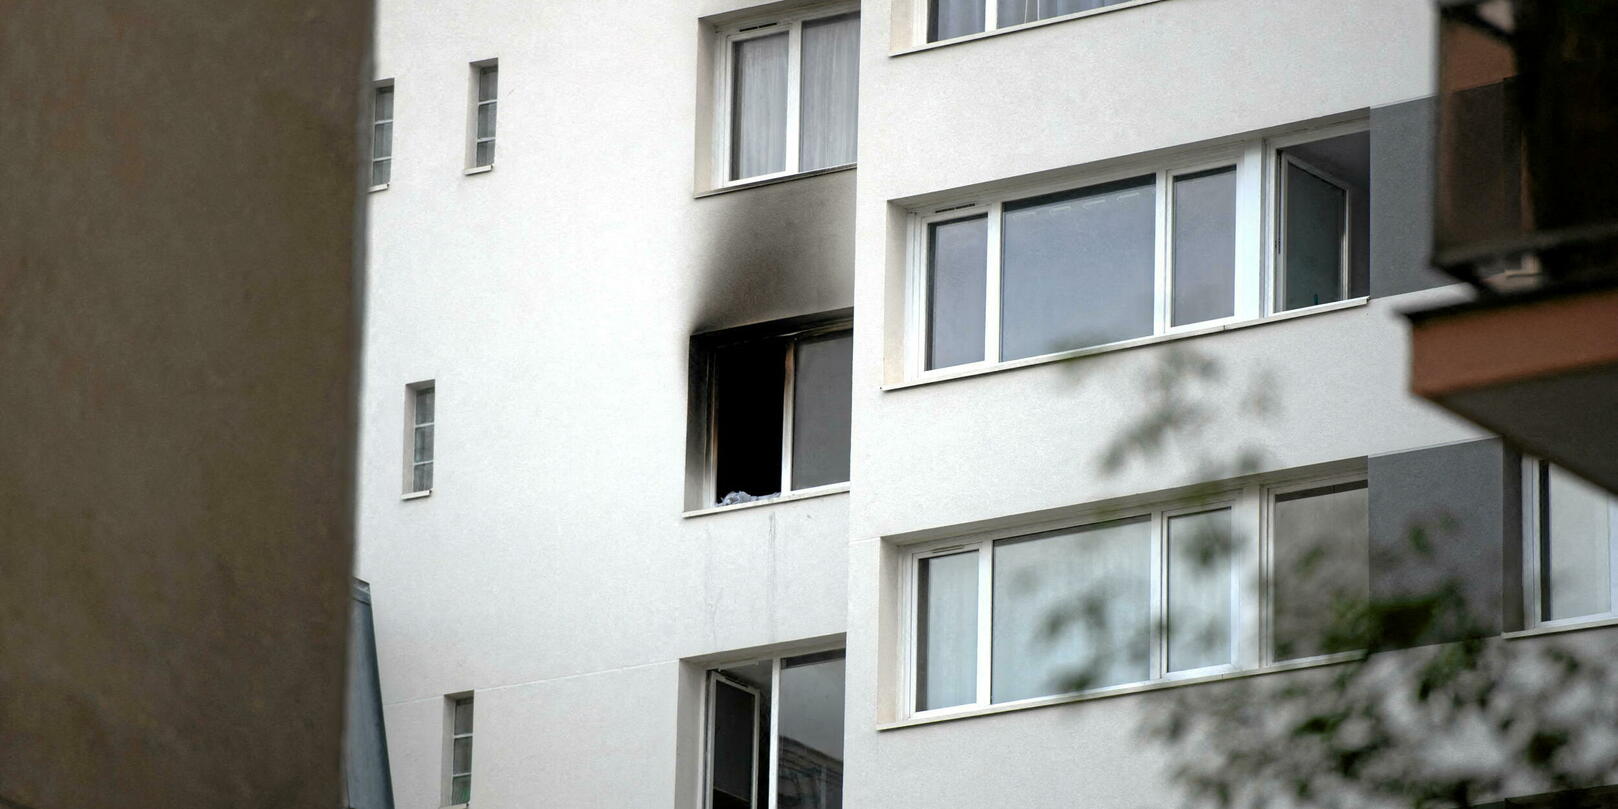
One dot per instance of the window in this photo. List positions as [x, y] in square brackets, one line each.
[1143, 252]
[1136, 595]
[382, 135]
[460, 756]
[419, 446]
[790, 90]
[1572, 532]
[775, 733]
[486, 87]
[778, 406]
[948, 19]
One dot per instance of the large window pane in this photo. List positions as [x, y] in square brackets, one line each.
[1072, 609]
[830, 93]
[809, 730]
[1575, 547]
[947, 631]
[822, 395]
[758, 134]
[1199, 590]
[1204, 246]
[1322, 565]
[1077, 268]
[957, 256]
[954, 18]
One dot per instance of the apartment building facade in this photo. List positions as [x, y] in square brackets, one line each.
[746, 385]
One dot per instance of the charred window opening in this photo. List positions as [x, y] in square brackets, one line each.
[776, 401]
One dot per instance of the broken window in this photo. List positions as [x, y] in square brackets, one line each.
[775, 733]
[778, 406]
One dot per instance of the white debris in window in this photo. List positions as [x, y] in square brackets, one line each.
[743, 497]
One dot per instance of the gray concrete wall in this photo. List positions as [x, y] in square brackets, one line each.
[179, 326]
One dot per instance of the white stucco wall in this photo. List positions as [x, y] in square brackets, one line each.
[552, 300]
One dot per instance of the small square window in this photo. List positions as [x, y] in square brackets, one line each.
[776, 408]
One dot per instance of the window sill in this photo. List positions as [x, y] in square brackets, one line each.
[478, 170]
[415, 495]
[1019, 27]
[1572, 625]
[801, 494]
[743, 186]
[375, 188]
[980, 369]
[1118, 691]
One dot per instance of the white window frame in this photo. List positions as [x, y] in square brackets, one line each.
[449, 749]
[789, 341]
[1533, 516]
[412, 390]
[473, 140]
[1252, 600]
[1345, 255]
[712, 673]
[1257, 258]
[1243, 504]
[753, 28]
[376, 89]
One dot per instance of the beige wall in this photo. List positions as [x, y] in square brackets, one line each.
[178, 337]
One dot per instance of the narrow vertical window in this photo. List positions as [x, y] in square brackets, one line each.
[1323, 229]
[1077, 268]
[420, 477]
[1322, 560]
[775, 733]
[488, 90]
[460, 740]
[830, 96]
[956, 284]
[1201, 579]
[946, 630]
[1203, 245]
[1578, 527]
[822, 402]
[382, 135]
[758, 106]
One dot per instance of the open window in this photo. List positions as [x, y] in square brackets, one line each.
[774, 402]
[1572, 554]
[775, 733]
[1323, 191]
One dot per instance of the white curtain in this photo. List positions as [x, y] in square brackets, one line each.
[830, 96]
[758, 114]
